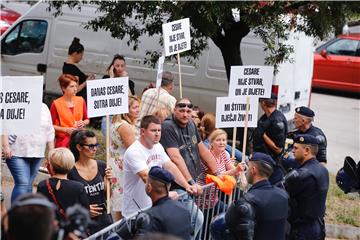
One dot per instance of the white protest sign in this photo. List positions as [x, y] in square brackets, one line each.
[251, 81]
[107, 96]
[176, 36]
[160, 71]
[20, 99]
[231, 111]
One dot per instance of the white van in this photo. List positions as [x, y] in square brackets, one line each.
[38, 43]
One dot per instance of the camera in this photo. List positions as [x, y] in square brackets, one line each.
[76, 222]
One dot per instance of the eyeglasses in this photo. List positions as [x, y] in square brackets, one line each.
[182, 105]
[91, 146]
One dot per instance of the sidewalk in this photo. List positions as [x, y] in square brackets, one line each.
[332, 231]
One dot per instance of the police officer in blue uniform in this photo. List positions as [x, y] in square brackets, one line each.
[269, 204]
[307, 189]
[303, 119]
[270, 135]
[166, 215]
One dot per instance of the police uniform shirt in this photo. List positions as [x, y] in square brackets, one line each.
[271, 210]
[275, 127]
[318, 133]
[170, 217]
[308, 193]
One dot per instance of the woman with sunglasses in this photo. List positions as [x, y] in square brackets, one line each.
[93, 174]
[123, 133]
[75, 55]
[68, 112]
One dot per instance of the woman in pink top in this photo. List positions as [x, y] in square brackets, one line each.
[209, 201]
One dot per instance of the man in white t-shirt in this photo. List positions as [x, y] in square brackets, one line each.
[138, 159]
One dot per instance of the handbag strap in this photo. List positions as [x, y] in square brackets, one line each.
[61, 210]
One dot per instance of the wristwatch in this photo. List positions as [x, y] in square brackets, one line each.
[191, 182]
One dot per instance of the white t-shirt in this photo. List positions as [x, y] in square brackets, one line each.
[136, 159]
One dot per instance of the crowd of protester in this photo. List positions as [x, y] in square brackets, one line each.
[160, 149]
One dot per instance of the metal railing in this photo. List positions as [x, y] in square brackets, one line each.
[211, 203]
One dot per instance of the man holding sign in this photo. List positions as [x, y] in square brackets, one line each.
[270, 134]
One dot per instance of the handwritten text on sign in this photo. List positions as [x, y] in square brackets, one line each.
[107, 96]
[176, 36]
[231, 112]
[251, 81]
[20, 99]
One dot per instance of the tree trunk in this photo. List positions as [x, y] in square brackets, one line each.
[229, 45]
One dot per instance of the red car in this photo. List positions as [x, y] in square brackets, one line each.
[337, 64]
[7, 17]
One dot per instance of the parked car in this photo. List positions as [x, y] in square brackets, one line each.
[337, 64]
[7, 18]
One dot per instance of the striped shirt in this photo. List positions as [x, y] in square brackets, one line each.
[211, 196]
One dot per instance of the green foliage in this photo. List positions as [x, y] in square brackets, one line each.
[270, 20]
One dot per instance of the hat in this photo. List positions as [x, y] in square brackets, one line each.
[305, 111]
[161, 174]
[272, 97]
[306, 139]
[262, 157]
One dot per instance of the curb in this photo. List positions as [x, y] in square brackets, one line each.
[342, 231]
[332, 230]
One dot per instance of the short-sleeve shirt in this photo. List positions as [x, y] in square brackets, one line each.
[72, 69]
[186, 140]
[95, 190]
[136, 159]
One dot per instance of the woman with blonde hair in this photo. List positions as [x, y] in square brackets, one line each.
[207, 126]
[225, 166]
[123, 133]
[58, 188]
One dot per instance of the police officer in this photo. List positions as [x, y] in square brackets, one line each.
[166, 215]
[303, 119]
[269, 203]
[270, 135]
[307, 189]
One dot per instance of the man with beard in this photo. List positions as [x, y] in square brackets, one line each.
[269, 203]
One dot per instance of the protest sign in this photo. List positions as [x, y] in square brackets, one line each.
[107, 96]
[231, 112]
[251, 81]
[20, 99]
[176, 36]
[160, 71]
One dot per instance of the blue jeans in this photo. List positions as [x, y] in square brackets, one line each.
[24, 171]
[197, 217]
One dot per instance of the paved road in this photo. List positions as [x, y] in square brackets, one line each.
[338, 117]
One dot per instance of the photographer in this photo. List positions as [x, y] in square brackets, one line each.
[31, 216]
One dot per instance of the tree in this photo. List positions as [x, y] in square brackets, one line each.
[270, 20]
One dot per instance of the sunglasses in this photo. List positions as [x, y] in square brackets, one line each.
[182, 105]
[91, 146]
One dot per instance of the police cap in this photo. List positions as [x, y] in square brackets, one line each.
[262, 157]
[305, 111]
[161, 175]
[306, 139]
